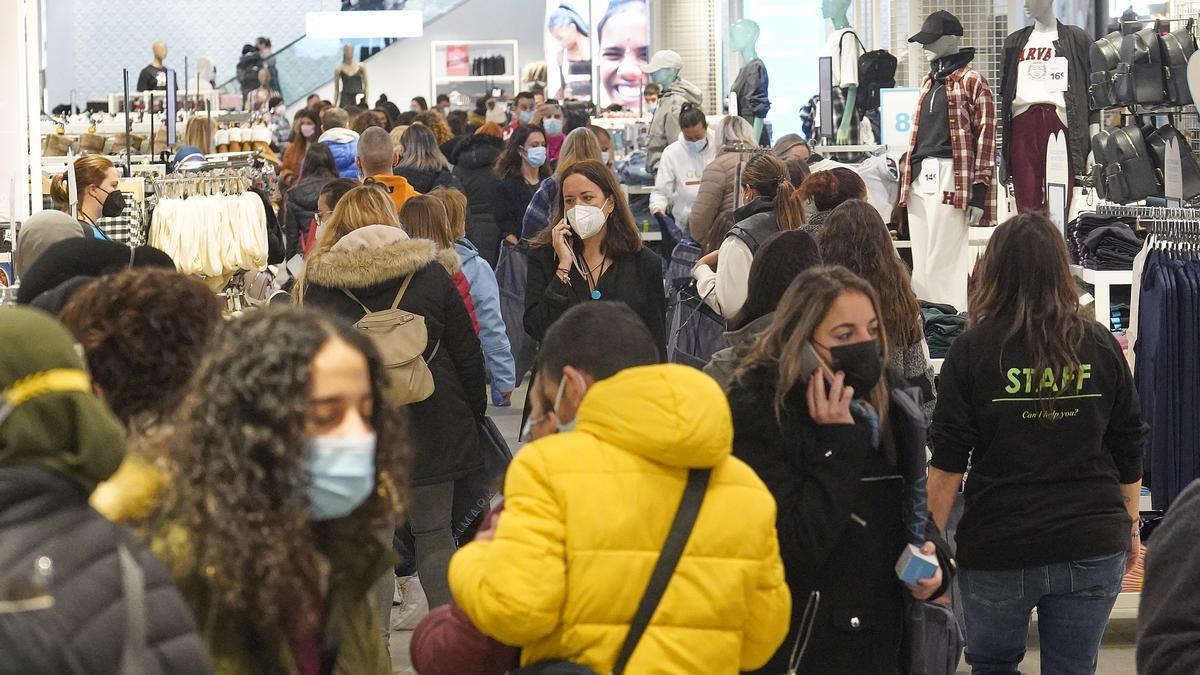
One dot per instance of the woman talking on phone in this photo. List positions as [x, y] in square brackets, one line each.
[594, 252]
[844, 456]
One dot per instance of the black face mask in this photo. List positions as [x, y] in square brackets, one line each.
[113, 204]
[862, 363]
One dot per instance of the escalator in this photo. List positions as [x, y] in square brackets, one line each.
[306, 64]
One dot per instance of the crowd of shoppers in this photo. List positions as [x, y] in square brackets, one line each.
[279, 477]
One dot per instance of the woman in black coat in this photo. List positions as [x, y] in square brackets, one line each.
[366, 255]
[520, 172]
[473, 164]
[300, 203]
[593, 253]
[67, 592]
[423, 165]
[844, 457]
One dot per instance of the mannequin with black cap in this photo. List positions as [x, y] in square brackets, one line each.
[1044, 89]
[947, 182]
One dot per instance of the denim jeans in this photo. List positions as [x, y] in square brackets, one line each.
[1073, 601]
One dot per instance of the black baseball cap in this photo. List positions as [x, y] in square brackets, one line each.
[938, 24]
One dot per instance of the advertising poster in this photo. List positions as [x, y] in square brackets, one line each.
[458, 60]
[595, 50]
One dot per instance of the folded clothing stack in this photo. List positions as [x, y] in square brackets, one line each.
[1103, 242]
[943, 325]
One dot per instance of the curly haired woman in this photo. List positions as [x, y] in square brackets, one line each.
[143, 334]
[285, 468]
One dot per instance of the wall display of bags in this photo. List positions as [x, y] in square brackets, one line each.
[1146, 66]
[1130, 163]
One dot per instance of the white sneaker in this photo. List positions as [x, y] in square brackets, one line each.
[412, 606]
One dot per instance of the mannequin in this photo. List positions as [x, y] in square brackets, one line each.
[1045, 89]
[663, 70]
[845, 55]
[349, 80]
[154, 76]
[751, 83]
[946, 183]
[261, 97]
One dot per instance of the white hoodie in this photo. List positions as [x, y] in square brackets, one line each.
[678, 178]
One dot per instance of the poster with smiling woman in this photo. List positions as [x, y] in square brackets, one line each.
[595, 50]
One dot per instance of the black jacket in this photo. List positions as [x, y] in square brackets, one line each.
[423, 180]
[635, 279]
[513, 195]
[443, 426]
[1073, 43]
[43, 514]
[473, 166]
[1168, 631]
[838, 534]
[299, 209]
[755, 223]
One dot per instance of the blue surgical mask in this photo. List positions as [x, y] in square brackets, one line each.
[341, 474]
[561, 426]
[526, 116]
[552, 126]
[604, 156]
[697, 146]
[536, 157]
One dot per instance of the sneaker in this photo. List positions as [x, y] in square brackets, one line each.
[413, 605]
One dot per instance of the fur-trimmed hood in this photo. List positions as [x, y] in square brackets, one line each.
[449, 259]
[360, 267]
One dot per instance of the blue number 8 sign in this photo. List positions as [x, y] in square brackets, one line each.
[903, 122]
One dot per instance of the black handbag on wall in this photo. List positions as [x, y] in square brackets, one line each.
[1157, 140]
[1177, 47]
[1139, 76]
[1104, 55]
[1130, 174]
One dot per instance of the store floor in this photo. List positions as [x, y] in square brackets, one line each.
[1116, 654]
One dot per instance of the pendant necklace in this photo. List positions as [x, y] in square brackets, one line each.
[594, 282]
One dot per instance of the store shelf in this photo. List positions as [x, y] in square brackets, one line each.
[473, 78]
[1103, 283]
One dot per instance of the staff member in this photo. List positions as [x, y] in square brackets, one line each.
[678, 180]
[95, 190]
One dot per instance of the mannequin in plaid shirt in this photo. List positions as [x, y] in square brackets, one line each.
[948, 183]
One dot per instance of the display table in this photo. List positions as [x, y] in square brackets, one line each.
[1103, 283]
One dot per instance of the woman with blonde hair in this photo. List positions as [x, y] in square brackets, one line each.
[484, 295]
[769, 208]
[199, 133]
[843, 453]
[437, 124]
[581, 144]
[717, 197]
[367, 263]
[96, 193]
[428, 218]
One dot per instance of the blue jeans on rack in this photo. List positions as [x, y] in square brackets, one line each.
[1073, 601]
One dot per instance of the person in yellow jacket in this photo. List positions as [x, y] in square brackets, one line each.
[587, 511]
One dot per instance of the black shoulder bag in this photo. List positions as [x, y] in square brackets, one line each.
[672, 551]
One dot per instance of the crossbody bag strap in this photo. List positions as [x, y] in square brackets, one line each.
[133, 585]
[672, 551]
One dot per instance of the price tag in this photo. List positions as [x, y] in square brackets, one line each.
[929, 178]
[1056, 74]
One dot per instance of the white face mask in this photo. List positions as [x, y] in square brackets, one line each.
[587, 221]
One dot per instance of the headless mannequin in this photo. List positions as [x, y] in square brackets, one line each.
[160, 54]
[261, 97]
[743, 39]
[837, 12]
[939, 49]
[1029, 193]
[1042, 13]
[350, 69]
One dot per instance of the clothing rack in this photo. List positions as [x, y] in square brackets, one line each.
[218, 181]
[1150, 213]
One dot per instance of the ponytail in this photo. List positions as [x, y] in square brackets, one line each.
[58, 190]
[789, 209]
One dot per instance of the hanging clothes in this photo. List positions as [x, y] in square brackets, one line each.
[1168, 381]
[212, 235]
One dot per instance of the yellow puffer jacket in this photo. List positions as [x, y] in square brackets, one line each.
[586, 514]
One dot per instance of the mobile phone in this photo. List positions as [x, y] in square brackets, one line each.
[809, 361]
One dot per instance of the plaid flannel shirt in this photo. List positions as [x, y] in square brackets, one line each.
[972, 139]
[128, 228]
